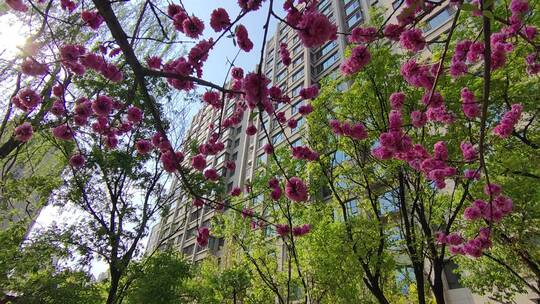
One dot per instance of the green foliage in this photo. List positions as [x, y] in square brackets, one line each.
[161, 278]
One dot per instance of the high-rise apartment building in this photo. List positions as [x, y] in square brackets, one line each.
[308, 67]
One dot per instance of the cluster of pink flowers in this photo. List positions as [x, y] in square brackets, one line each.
[354, 130]
[310, 92]
[256, 89]
[242, 38]
[363, 35]
[17, 5]
[198, 162]
[250, 5]
[412, 40]
[219, 20]
[417, 75]
[466, 52]
[26, 100]
[170, 160]
[473, 247]
[314, 29]
[301, 230]
[33, 68]
[275, 194]
[212, 98]
[203, 234]
[92, 18]
[470, 107]
[68, 5]
[247, 213]
[533, 63]
[23, 132]
[393, 31]
[360, 56]
[296, 190]
[469, 151]
[304, 152]
[77, 60]
[509, 120]
[77, 161]
[284, 54]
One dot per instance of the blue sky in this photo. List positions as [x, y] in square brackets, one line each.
[216, 67]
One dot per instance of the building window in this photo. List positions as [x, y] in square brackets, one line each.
[296, 106]
[298, 75]
[270, 52]
[188, 250]
[326, 64]
[387, 203]
[278, 138]
[261, 159]
[234, 156]
[195, 215]
[238, 130]
[339, 157]
[354, 19]
[352, 207]
[298, 61]
[404, 278]
[397, 4]
[299, 123]
[191, 232]
[325, 50]
[297, 143]
[281, 76]
[237, 142]
[439, 19]
[269, 73]
[352, 7]
[296, 91]
[297, 50]
[258, 199]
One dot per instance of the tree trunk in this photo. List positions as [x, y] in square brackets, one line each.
[376, 291]
[438, 288]
[113, 288]
[420, 282]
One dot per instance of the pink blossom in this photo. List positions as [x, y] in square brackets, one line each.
[58, 108]
[509, 120]
[143, 146]
[360, 56]
[134, 114]
[296, 190]
[247, 212]
[301, 230]
[77, 161]
[92, 19]
[284, 54]
[23, 132]
[251, 130]
[212, 98]
[29, 98]
[268, 148]
[276, 193]
[283, 229]
[454, 239]
[412, 40]
[394, 120]
[417, 75]
[237, 73]
[471, 174]
[256, 88]
[211, 174]
[310, 92]
[102, 105]
[230, 165]
[315, 29]
[397, 99]
[193, 27]
[236, 191]
[198, 162]
[111, 72]
[33, 68]
[219, 20]
[154, 62]
[63, 132]
[203, 234]
[363, 35]
[418, 119]
[305, 109]
[242, 38]
[472, 213]
[492, 189]
[250, 5]
[273, 183]
[197, 202]
[17, 5]
[468, 151]
[393, 31]
[440, 237]
[470, 107]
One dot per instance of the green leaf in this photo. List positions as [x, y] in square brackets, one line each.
[468, 7]
[488, 14]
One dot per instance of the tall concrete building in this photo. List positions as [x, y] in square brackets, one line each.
[178, 229]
